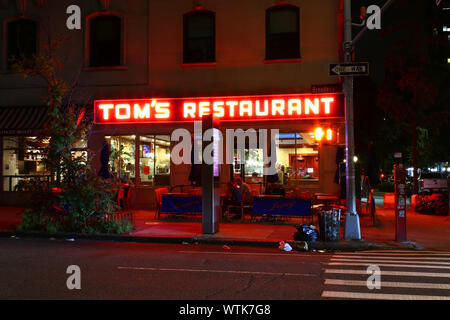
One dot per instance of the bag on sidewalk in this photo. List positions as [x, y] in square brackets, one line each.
[306, 233]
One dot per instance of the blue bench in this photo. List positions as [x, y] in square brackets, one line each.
[280, 206]
[180, 204]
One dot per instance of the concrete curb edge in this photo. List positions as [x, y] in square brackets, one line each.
[296, 245]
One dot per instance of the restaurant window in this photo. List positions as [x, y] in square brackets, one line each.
[298, 154]
[79, 150]
[252, 165]
[199, 37]
[122, 156]
[105, 41]
[154, 159]
[282, 33]
[21, 39]
[23, 159]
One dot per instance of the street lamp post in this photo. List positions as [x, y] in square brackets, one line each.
[352, 229]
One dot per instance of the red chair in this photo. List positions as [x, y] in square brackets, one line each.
[120, 197]
[242, 206]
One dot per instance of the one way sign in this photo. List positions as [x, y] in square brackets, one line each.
[349, 69]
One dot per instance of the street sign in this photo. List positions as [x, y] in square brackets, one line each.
[349, 69]
[400, 202]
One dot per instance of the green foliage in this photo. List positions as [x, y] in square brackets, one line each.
[76, 199]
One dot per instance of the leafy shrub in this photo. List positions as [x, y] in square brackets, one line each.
[76, 199]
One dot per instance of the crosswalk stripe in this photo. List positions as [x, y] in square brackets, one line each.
[387, 258]
[380, 296]
[391, 261]
[391, 273]
[406, 251]
[392, 254]
[391, 284]
[387, 265]
[394, 261]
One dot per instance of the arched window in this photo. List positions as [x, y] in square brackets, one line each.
[21, 38]
[105, 41]
[199, 37]
[282, 32]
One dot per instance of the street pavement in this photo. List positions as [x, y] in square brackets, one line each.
[36, 269]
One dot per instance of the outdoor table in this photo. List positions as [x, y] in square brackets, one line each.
[320, 194]
[327, 199]
[268, 196]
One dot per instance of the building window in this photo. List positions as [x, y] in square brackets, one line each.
[153, 158]
[24, 159]
[122, 157]
[105, 41]
[282, 33]
[21, 39]
[298, 156]
[199, 37]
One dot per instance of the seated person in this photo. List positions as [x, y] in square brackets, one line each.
[235, 195]
[243, 188]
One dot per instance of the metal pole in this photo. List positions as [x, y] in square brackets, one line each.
[361, 33]
[352, 227]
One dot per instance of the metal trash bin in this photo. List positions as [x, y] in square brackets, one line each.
[329, 223]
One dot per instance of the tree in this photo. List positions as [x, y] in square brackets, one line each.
[76, 199]
[415, 92]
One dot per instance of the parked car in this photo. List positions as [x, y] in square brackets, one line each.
[432, 182]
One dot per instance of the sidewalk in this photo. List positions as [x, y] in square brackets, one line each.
[424, 232]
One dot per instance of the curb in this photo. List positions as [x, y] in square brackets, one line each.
[296, 245]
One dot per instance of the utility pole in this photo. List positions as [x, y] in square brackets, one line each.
[352, 229]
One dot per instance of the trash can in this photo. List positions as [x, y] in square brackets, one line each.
[330, 223]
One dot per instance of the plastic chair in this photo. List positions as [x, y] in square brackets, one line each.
[243, 205]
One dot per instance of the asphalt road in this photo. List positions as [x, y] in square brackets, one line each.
[36, 269]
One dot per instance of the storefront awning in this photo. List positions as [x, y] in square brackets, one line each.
[29, 120]
[22, 120]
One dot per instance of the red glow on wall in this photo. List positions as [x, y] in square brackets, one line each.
[275, 107]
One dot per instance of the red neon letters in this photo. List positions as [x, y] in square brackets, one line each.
[126, 112]
[258, 108]
[226, 108]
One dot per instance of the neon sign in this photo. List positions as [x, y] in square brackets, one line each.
[286, 107]
[323, 134]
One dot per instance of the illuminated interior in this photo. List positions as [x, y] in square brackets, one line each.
[153, 158]
[298, 155]
[23, 158]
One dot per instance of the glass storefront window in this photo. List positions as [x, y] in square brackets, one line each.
[162, 147]
[298, 154]
[79, 150]
[122, 156]
[153, 158]
[253, 163]
[23, 158]
[147, 159]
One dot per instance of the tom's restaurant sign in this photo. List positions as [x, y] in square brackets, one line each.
[232, 108]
